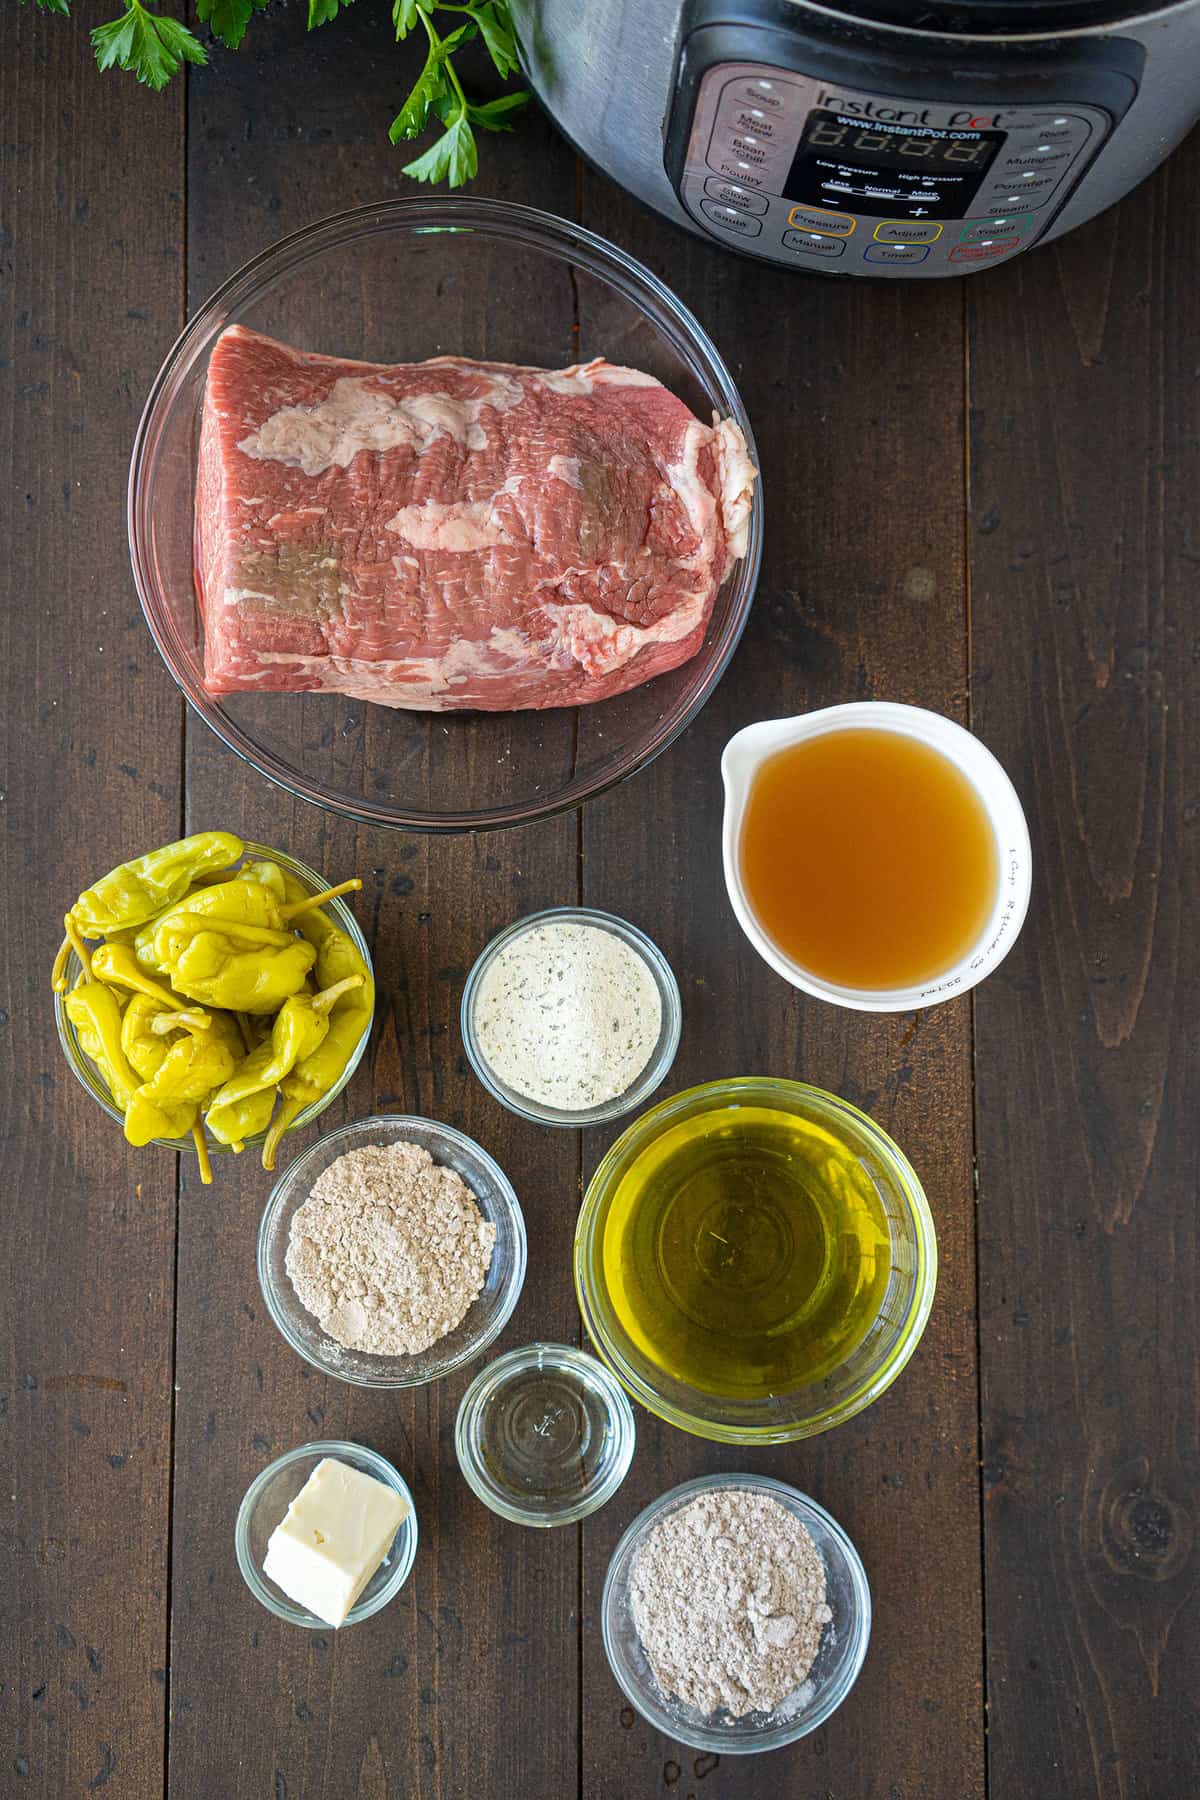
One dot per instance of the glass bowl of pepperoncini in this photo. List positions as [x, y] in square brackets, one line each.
[298, 1104]
[755, 1260]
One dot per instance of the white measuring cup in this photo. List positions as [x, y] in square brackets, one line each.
[747, 750]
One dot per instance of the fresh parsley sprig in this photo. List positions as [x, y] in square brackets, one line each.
[152, 45]
[454, 156]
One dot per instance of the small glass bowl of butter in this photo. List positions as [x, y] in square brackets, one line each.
[266, 1505]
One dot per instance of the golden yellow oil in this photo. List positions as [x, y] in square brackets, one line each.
[746, 1252]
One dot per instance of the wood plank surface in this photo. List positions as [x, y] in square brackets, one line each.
[1034, 580]
[89, 768]
[444, 1693]
[1085, 474]
[855, 394]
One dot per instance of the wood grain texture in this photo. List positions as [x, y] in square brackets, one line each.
[89, 764]
[444, 1693]
[1086, 467]
[855, 396]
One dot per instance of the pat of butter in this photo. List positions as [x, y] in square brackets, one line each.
[332, 1539]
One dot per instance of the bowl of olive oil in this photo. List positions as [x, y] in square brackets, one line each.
[755, 1260]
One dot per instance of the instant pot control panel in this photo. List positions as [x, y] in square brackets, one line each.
[793, 168]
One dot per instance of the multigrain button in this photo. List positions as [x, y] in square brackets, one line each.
[812, 243]
[896, 253]
[907, 231]
[813, 218]
[730, 194]
[730, 219]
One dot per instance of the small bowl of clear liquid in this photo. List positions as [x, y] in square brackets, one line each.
[545, 1435]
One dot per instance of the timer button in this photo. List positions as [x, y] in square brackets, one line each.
[896, 253]
[730, 219]
[813, 243]
[829, 224]
[730, 194]
[907, 231]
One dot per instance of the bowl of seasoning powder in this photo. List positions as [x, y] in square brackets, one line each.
[391, 1252]
[571, 1017]
[736, 1614]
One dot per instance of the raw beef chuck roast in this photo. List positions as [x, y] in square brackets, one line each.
[450, 534]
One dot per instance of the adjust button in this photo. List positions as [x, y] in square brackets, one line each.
[811, 243]
[907, 231]
[896, 253]
[730, 219]
[815, 218]
[730, 194]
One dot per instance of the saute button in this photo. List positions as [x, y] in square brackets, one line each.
[814, 218]
[813, 244]
[730, 219]
[907, 231]
[896, 253]
[730, 194]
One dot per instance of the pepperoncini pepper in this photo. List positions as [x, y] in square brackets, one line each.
[301, 1024]
[169, 1103]
[95, 1013]
[244, 968]
[338, 959]
[135, 891]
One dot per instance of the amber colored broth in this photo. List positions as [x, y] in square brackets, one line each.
[867, 858]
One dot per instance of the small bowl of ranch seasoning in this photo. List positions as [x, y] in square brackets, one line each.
[571, 1017]
[735, 1614]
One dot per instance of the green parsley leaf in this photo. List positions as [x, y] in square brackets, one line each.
[320, 12]
[405, 14]
[413, 116]
[56, 6]
[228, 19]
[492, 115]
[453, 157]
[496, 27]
[151, 45]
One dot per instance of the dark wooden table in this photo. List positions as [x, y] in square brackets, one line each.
[983, 497]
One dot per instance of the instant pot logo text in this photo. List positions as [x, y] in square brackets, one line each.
[939, 116]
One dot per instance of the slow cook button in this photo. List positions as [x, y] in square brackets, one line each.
[730, 194]
[830, 224]
[730, 219]
[811, 243]
[896, 253]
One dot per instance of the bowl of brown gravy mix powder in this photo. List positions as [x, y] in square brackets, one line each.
[736, 1614]
[391, 1252]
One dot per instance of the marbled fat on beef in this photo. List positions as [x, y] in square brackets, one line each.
[451, 534]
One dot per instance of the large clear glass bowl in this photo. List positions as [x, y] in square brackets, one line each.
[890, 1338]
[398, 282]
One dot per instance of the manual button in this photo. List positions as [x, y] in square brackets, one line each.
[730, 219]
[812, 243]
[814, 218]
[730, 194]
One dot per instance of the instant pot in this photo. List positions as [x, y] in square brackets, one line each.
[903, 138]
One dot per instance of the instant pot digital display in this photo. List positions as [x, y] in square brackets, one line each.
[870, 165]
